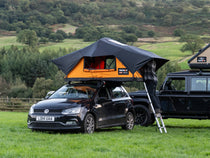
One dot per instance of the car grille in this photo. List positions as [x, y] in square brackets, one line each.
[49, 125]
[51, 111]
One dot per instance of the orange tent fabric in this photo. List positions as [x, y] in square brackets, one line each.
[99, 72]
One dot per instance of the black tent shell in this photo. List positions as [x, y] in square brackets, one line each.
[201, 59]
[132, 57]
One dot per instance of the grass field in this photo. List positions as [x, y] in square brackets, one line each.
[169, 50]
[185, 139]
[7, 41]
[67, 43]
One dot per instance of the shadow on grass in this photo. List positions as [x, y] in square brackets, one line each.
[187, 127]
[77, 131]
[183, 126]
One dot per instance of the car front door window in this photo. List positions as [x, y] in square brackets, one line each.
[174, 96]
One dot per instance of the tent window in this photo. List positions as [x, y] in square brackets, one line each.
[100, 62]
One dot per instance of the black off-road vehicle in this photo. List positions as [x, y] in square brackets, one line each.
[182, 95]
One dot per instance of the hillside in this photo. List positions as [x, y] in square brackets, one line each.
[63, 26]
[160, 16]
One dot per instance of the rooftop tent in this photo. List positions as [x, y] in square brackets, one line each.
[201, 60]
[101, 68]
[106, 59]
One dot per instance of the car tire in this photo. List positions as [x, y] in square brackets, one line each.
[89, 124]
[152, 119]
[129, 121]
[143, 115]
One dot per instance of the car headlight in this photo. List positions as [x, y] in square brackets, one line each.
[31, 111]
[71, 111]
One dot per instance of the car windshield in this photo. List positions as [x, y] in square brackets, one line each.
[75, 92]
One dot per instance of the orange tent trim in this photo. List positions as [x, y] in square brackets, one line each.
[120, 72]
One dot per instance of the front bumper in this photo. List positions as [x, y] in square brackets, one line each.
[61, 122]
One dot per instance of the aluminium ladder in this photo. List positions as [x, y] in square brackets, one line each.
[158, 117]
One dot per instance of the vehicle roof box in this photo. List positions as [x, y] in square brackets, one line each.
[201, 60]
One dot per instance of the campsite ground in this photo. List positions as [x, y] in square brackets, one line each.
[185, 139]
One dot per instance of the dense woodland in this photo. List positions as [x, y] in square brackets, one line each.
[25, 71]
[40, 15]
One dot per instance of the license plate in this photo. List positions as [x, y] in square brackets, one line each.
[45, 118]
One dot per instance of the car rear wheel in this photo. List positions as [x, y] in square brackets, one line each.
[143, 115]
[89, 124]
[129, 121]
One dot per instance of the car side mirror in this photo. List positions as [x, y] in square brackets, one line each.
[49, 94]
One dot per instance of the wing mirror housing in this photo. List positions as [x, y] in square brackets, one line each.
[49, 94]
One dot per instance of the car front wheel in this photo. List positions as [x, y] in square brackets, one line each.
[143, 115]
[129, 121]
[89, 124]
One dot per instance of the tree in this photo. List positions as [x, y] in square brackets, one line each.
[167, 21]
[130, 38]
[41, 87]
[28, 37]
[58, 80]
[169, 67]
[139, 33]
[151, 33]
[130, 28]
[140, 16]
[4, 87]
[62, 33]
[178, 32]
[60, 37]
[20, 90]
[56, 37]
[43, 40]
[193, 43]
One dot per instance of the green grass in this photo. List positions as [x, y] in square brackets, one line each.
[168, 50]
[185, 139]
[7, 41]
[67, 43]
[184, 65]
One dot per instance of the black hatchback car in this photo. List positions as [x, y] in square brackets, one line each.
[85, 106]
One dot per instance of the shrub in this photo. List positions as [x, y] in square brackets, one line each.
[20, 90]
[151, 33]
[41, 87]
[4, 87]
[179, 32]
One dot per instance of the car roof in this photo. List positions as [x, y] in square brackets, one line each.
[189, 73]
